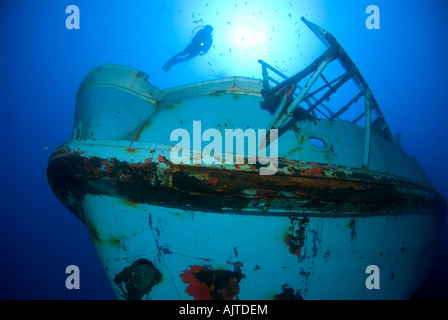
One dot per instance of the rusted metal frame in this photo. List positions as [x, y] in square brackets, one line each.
[327, 38]
[368, 125]
[358, 117]
[325, 80]
[264, 72]
[330, 112]
[346, 62]
[273, 80]
[347, 76]
[333, 48]
[266, 66]
[330, 53]
[318, 66]
[348, 105]
[312, 94]
[307, 101]
[385, 131]
[267, 78]
[267, 140]
[314, 99]
[360, 82]
[311, 81]
[281, 116]
[322, 113]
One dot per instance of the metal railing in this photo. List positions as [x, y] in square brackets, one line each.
[284, 97]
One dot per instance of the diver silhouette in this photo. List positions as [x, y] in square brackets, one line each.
[199, 45]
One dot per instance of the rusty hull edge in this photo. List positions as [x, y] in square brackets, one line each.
[297, 189]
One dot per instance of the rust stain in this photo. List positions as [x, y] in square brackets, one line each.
[288, 294]
[264, 193]
[67, 151]
[131, 150]
[163, 159]
[237, 265]
[206, 283]
[173, 106]
[95, 236]
[146, 125]
[314, 172]
[295, 237]
[213, 181]
[297, 188]
[130, 203]
[352, 227]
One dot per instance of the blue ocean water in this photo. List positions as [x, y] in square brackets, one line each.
[42, 63]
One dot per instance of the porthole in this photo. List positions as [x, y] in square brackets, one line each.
[319, 143]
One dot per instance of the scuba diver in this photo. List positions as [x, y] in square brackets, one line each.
[199, 45]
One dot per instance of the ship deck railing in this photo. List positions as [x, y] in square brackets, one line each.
[288, 96]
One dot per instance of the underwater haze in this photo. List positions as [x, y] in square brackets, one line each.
[43, 62]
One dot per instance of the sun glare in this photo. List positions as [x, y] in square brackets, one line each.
[249, 37]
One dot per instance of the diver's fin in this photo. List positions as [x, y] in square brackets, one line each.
[167, 66]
